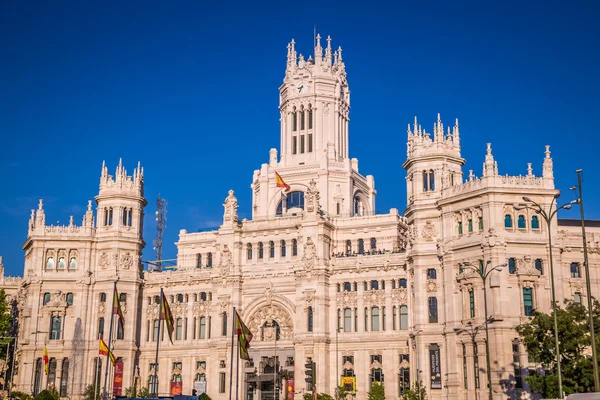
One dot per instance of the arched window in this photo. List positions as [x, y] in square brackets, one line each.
[62, 263]
[480, 223]
[433, 310]
[249, 251]
[403, 317]
[120, 330]
[374, 318]
[302, 120]
[471, 304]
[294, 247]
[199, 261]
[539, 266]
[512, 266]
[460, 228]
[64, 377]
[508, 221]
[69, 299]
[124, 213]
[358, 207]
[100, 327]
[260, 250]
[310, 118]
[361, 246]
[51, 373]
[309, 322]
[348, 247]
[470, 225]
[535, 222]
[73, 263]
[425, 184]
[203, 327]
[294, 200]
[271, 249]
[294, 121]
[110, 216]
[373, 244]
[129, 217]
[431, 180]
[105, 216]
[50, 263]
[209, 260]
[521, 222]
[283, 249]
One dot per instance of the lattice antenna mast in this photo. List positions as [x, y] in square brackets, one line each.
[161, 224]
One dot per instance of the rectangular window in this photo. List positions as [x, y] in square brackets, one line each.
[224, 324]
[155, 330]
[402, 283]
[310, 143]
[472, 303]
[302, 120]
[366, 319]
[470, 225]
[404, 375]
[403, 318]
[221, 382]
[394, 317]
[294, 122]
[528, 301]
[179, 329]
[310, 320]
[347, 320]
[383, 318]
[517, 364]
[194, 327]
[310, 119]
[55, 326]
[301, 144]
[294, 145]
[202, 327]
[356, 320]
[433, 310]
[375, 318]
[480, 223]
[575, 270]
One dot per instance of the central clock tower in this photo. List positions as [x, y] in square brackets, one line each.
[314, 105]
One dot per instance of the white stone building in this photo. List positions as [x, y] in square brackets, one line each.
[366, 296]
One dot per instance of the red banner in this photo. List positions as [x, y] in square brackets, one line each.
[118, 379]
[289, 387]
[176, 388]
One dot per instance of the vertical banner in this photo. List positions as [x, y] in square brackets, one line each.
[435, 366]
[289, 387]
[118, 379]
[176, 388]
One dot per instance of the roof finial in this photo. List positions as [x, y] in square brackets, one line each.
[340, 54]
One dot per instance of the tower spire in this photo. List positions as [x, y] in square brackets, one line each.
[318, 50]
[489, 166]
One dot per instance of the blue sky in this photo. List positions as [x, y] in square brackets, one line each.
[190, 89]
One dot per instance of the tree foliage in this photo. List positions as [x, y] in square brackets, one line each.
[204, 396]
[21, 395]
[413, 394]
[377, 391]
[134, 392]
[92, 392]
[320, 396]
[48, 394]
[575, 349]
[340, 393]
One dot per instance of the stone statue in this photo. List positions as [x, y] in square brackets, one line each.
[225, 262]
[310, 254]
[231, 207]
[312, 197]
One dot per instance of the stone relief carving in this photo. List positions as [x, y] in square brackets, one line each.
[57, 299]
[225, 261]
[429, 230]
[201, 308]
[525, 267]
[347, 299]
[103, 260]
[127, 261]
[231, 207]
[431, 285]
[374, 298]
[309, 297]
[269, 313]
[399, 296]
[310, 254]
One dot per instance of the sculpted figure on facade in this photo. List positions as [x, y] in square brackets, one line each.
[226, 261]
[127, 261]
[310, 254]
[312, 197]
[231, 208]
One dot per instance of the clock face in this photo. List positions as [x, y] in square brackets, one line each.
[302, 87]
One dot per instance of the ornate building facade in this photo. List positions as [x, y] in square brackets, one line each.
[316, 273]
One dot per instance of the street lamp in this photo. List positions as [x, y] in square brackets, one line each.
[548, 215]
[483, 272]
[587, 279]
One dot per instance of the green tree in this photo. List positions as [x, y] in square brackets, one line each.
[377, 391]
[320, 396]
[21, 395]
[413, 394]
[92, 392]
[144, 393]
[574, 333]
[204, 396]
[48, 394]
[340, 393]
[137, 393]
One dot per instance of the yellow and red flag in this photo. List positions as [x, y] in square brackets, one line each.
[280, 183]
[165, 313]
[45, 360]
[117, 309]
[244, 337]
[104, 351]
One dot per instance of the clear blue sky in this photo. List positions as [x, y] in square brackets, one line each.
[190, 90]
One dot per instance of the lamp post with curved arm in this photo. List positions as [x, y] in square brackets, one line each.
[483, 273]
[548, 215]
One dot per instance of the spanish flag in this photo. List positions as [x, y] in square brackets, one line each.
[280, 183]
[117, 308]
[104, 351]
[165, 313]
[244, 337]
[45, 360]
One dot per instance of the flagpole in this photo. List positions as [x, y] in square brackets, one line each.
[237, 376]
[155, 391]
[112, 315]
[231, 361]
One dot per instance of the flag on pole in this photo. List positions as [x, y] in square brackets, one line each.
[244, 337]
[117, 308]
[104, 351]
[280, 183]
[165, 313]
[45, 360]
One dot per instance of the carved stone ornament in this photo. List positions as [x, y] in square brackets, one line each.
[374, 298]
[224, 304]
[404, 364]
[431, 285]
[225, 261]
[62, 254]
[58, 299]
[326, 109]
[274, 312]
[269, 293]
[200, 370]
[525, 267]
[348, 365]
[399, 296]
[127, 261]
[231, 206]
[103, 260]
[346, 299]
[312, 197]
[152, 310]
[179, 309]
[201, 308]
[429, 231]
[309, 257]
[375, 365]
[309, 297]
